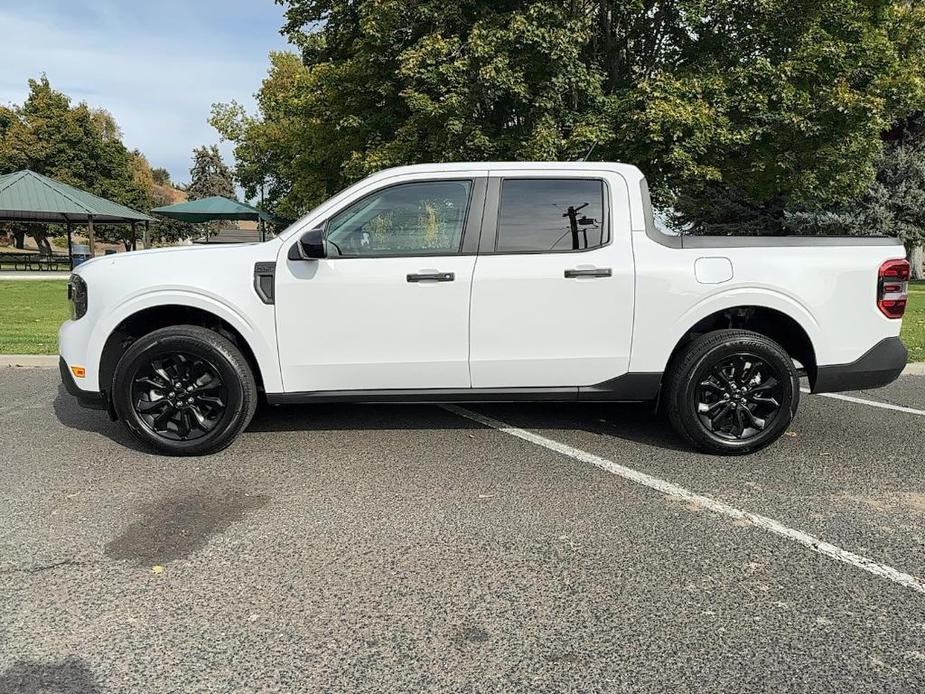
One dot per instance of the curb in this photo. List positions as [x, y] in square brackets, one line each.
[31, 361]
[50, 361]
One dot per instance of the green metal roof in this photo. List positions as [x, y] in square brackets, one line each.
[30, 197]
[211, 209]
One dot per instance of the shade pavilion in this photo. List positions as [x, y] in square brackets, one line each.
[29, 197]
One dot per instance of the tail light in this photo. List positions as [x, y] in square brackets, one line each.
[892, 288]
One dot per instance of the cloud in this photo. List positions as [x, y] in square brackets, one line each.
[157, 67]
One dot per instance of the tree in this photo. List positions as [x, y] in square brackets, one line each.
[136, 191]
[282, 150]
[73, 144]
[733, 98]
[210, 175]
[161, 176]
[893, 204]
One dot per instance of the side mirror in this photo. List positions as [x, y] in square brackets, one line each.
[309, 247]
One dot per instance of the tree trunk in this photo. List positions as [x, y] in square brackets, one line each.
[916, 259]
[41, 240]
[20, 237]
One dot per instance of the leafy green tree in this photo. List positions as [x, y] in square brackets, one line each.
[73, 144]
[137, 190]
[893, 204]
[776, 103]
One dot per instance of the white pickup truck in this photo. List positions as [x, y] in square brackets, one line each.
[485, 282]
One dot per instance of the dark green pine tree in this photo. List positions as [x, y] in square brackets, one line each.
[210, 175]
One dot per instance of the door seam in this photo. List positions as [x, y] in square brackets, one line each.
[472, 282]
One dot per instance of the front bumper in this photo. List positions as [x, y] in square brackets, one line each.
[878, 367]
[86, 398]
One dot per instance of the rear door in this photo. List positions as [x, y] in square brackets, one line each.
[553, 290]
[389, 307]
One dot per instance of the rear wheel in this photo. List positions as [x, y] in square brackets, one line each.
[732, 392]
[184, 390]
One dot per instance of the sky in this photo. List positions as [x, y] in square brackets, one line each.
[157, 66]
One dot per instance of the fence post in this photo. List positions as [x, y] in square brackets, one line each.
[70, 249]
[91, 240]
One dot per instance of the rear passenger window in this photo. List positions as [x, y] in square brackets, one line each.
[551, 214]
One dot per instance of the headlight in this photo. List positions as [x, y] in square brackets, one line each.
[77, 295]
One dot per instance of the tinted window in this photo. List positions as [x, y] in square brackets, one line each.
[406, 219]
[561, 214]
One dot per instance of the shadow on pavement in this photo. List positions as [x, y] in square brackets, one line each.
[30, 677]
[637, 423]
[73, 416]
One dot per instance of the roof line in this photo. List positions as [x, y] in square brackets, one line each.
[45, 181]
[13, 178]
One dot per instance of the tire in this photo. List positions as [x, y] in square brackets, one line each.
[721, 391]
[184, 390]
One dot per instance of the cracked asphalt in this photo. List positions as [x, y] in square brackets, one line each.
[408, 549]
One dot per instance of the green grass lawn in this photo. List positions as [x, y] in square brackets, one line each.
[914, 322]
[31, 311]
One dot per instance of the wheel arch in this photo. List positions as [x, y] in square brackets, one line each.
[148, 319]
[773, 323]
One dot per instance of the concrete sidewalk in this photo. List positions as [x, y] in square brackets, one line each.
[15, 275]
[40, 361]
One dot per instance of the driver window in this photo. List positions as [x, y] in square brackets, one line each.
[424, 218]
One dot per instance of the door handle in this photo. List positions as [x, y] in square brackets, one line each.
[432, 277]
[593, 272]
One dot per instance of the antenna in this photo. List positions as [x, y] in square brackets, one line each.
[585, 158]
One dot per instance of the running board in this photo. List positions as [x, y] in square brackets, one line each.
[638, 387]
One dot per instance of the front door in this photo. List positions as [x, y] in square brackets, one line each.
[553, 293]
[389, 307]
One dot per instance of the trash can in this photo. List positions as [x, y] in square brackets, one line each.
[80, 253]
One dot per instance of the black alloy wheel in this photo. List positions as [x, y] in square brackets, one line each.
[184, 390]
[739, 397]
[731, 391]
[179, 396]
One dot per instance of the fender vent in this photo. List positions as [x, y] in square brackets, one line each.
[265, 281]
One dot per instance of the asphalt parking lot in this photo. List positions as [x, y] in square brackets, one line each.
[399, 548]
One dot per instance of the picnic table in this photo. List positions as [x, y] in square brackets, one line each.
[34, 262]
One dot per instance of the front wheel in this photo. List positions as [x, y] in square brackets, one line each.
[732, 392]
[184, 390]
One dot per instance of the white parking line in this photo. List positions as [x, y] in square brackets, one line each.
[869, 403]
[674, 490]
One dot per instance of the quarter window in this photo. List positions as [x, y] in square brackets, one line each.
[425, 218]
[551, 214]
